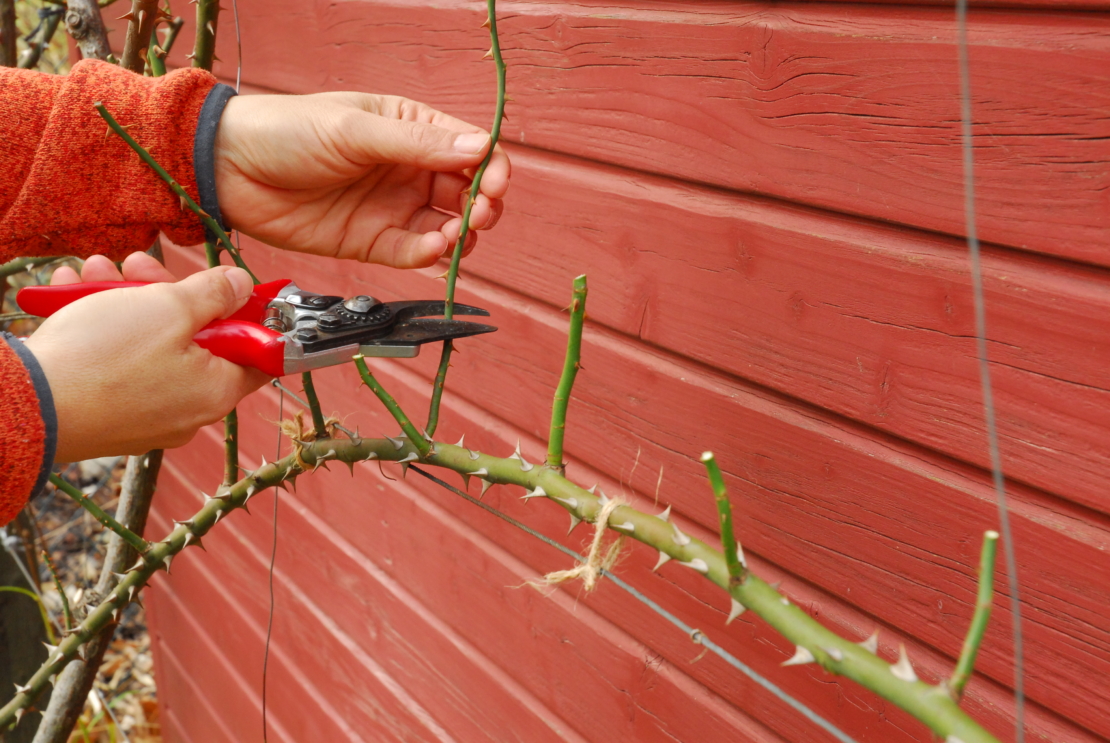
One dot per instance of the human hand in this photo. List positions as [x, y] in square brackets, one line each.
[354, 175]
[122, 366]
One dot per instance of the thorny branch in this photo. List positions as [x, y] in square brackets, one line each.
[141, 20]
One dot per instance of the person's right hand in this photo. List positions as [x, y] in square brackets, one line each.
[124, 371]
[373, 178]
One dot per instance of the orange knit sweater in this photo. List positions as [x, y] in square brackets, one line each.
[68, 189]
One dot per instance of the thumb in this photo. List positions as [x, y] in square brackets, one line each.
[213, 294]
[427, 146]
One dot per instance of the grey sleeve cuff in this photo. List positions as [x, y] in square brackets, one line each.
[204, 152]
[46, 407]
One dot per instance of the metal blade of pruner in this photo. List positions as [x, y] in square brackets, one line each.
[421, 321]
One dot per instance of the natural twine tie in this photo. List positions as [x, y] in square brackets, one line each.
[294, 429]
[590, 570]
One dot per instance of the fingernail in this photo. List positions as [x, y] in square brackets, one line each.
[471, 144]
[240, 282]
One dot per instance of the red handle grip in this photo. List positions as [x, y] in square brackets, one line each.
[240, 338]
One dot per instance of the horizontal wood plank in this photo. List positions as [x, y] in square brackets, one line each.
[875, 511]
[372, 677]
[854, 111]
[870, 321]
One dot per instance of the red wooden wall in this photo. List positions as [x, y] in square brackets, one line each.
[767, 199]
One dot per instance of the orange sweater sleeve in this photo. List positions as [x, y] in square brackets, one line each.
[28, 428]
[68, 189]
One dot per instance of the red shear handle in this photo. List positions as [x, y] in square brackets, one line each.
[240, 338]
[246, 344]
[44, 301]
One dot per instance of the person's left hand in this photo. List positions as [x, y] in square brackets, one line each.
[374, 178]
[136, 267]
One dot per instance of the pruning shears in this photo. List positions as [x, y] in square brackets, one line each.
[283, 329]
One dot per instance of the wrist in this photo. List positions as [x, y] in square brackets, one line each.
[204, 152]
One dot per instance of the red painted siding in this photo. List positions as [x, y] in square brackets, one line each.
[767, 199]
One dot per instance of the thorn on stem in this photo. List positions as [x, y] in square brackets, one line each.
[903, 669]
[664, 558]
[801, 657]
[735, 610]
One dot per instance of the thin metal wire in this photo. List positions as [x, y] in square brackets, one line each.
[695, 634]
[273, 558]
[967, 142]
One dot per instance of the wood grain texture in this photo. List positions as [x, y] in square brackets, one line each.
[871, 321]
[849, 108]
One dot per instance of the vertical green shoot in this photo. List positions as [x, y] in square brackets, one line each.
[571, 364]
[456, 255]
[314, 405]
[737, 571]
[966, 664]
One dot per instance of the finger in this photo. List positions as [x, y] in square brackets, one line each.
[485, 212]
[99, 268]
[376, 139]
[143, 267]
[495, 181]
[449, 191]
[497, 208]
[451, 229]
[64, 275]
[210, 295]
[404, 249]
[427, 219]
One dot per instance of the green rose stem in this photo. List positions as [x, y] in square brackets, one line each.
[979, 619]
[314, 405]
[133, 539]
[494, 53]
[571, 364]
[210, 223]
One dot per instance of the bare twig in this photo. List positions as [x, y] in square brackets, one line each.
[8, 34]
[141, 20]
[85, 25]
[48, 26]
